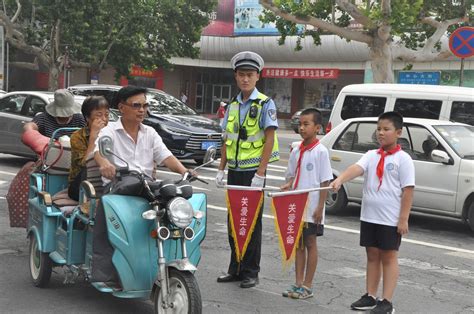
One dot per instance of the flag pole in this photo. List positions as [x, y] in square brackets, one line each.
[248, 188]
[270, 194]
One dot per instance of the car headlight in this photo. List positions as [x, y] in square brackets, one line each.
[180, 212]
[175, 131]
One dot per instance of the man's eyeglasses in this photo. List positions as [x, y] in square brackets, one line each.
[138, 106]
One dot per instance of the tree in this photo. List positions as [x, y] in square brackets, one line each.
[92, 34]
[404, 30]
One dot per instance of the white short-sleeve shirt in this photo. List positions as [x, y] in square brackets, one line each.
[315, 169]
[140, 156]
[382, 206]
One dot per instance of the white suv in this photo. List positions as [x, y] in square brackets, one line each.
[443, 154]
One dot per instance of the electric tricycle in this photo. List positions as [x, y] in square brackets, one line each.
[155, 237]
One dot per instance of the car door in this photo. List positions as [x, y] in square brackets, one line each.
[436, 183]
[12, 121]
[354, 141]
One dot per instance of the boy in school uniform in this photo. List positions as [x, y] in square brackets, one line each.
[308, 167]
[389, 181]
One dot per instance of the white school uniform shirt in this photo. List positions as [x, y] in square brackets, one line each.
[383, 206]
[140, 156]
[315, 168]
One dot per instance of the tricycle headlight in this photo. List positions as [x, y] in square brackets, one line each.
[180, 212]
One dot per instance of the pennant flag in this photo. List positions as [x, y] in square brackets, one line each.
[289, 211]
[244, 207]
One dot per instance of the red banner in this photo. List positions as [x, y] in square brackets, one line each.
[300, 73]
[243, 207]
[289, 211]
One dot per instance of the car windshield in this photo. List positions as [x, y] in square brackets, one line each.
[459, 137]
[167, 104]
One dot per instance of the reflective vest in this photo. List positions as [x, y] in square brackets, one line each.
[247, 153]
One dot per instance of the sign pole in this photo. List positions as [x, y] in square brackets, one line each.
[461, 74]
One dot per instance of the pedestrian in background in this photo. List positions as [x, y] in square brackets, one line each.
[221, 112]
[250, 125]
[184, 98]
[308, 167]
[389, 181]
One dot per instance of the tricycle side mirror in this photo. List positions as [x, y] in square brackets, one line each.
[106, 146]
[210, 155]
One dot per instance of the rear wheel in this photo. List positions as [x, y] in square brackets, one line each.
[184, 294]
[336, 202]
[40, 264]
[470, 216]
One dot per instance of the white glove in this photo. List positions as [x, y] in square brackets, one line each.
[220, 178]
[258, 181]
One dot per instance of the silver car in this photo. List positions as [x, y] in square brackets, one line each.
[442, 152]
[18, 108]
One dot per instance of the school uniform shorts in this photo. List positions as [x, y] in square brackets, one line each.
[380, 236]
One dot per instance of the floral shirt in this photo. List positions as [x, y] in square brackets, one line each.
[79, 144]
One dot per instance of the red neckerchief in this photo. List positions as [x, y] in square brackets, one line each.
[303, 149]
[381, 164]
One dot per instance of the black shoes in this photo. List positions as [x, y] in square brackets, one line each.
[366, 302]
[228, 278]
[249, 283]
[383, 307]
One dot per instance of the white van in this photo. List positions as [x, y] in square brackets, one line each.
[415, 101]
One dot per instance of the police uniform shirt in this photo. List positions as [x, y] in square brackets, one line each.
[315, 168]
[268, 117]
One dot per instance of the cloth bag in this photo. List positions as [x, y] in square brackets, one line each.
[17, 196]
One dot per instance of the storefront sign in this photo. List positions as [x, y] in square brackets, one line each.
[300, 73]
[423, 78]
[138, 71]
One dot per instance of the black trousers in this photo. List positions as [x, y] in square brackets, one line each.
[250, 264]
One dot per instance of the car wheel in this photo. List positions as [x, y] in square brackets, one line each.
[336, 202]
[470, 216]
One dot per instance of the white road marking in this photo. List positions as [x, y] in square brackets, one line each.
[7, 251]
[8, 173]
[3, 182]
[461, 254]
[346, 272]
[3, 198]
[348, 230]
[421, 265]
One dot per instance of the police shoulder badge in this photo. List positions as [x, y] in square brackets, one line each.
[272, 114]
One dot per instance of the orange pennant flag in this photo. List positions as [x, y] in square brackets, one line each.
[289, 211]
[244, 207]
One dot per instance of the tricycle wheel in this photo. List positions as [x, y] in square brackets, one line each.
[336, 202]
[184, 294]
[40, 264]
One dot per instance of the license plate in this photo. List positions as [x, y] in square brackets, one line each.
[206, 145]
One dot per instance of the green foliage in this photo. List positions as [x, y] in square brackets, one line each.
[404, 19]
[142, 32]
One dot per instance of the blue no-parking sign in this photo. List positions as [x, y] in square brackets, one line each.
[461, 42]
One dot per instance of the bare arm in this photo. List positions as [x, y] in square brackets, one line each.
[318, 213]
[350, 173]
[407, 200]
[267, 150]
[173, 164]
[223, 162]
[107, 169]
[30, 126]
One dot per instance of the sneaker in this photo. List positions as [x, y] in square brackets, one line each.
[289, 291]
[383, 307]
[302, 293]
[366, 302]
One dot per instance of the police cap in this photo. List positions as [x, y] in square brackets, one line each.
[247, 60]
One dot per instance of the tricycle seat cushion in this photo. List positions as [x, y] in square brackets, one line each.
[62, 201]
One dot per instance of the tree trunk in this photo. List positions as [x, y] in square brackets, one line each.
[381, 58]
[53, 83]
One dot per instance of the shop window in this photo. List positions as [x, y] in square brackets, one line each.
[462, 111]
[362, 106]
[418, 108]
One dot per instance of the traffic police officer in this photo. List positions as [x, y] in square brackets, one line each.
[250, 143]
